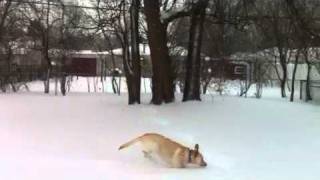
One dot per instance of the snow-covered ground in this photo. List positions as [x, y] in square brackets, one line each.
[77, 137]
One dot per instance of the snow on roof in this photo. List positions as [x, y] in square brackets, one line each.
[88, 54]
[144, 50]
[92, 52]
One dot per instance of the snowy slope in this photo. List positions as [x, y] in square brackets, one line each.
[76, 137]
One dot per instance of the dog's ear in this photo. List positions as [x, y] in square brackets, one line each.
[196, 147]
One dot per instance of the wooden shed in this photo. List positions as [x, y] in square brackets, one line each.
[227, 69]
[82, 66]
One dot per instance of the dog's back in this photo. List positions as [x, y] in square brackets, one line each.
[156, 143]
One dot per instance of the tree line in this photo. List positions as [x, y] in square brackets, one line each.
[215, 28]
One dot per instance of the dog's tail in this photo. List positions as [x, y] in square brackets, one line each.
[129, 143]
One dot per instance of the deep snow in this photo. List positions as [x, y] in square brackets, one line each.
[76, 137]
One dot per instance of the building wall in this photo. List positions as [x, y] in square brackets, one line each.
[301, 73]
[314, 90]
[106, 60]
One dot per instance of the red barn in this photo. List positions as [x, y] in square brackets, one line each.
[82, 65]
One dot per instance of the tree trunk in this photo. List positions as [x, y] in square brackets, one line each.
[259, 86]
[6, 77]
[135, 53]
[45, 44]
[308, 91]
[127, 67]
[205, 86]
[162, 79]
[127, 64]
[283, 79]
[63, 63]
[294, 76]
[47, 80]
[48, 69]
[193, 63]
[63, 84]
[63, 75]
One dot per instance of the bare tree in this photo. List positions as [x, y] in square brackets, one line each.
[193, 63]
[277, 29]
[5, 10]
[114, 20]
[302, 13]
[11, 30]
[39, 28]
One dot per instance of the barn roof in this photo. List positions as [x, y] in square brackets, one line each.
[145, 50]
